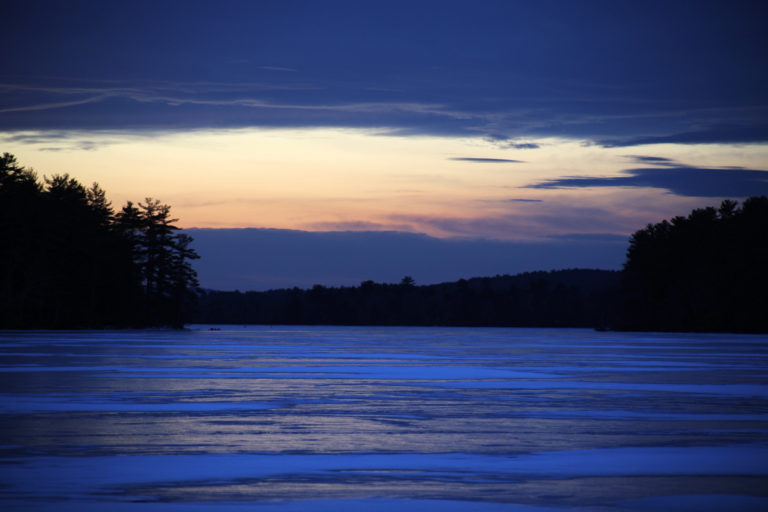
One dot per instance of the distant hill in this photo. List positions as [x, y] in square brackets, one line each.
[563, 298]
[266, 259]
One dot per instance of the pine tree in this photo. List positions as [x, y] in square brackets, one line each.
[21, 214]
[163, 257]
[67, 260]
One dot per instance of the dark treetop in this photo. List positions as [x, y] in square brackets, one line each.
[703, 272]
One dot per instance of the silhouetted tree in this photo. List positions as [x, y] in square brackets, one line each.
[67, 260]
[21, 225]
[703, 272]
[163, 258]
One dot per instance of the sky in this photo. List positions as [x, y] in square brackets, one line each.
[514, 136]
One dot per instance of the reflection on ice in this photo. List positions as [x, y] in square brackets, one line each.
[86, 472]
[177, 475]
[753, 390]
[52, 403]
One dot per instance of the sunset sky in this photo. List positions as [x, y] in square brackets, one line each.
[510, 125]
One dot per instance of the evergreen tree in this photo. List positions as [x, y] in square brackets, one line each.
[67, 260]
[163, 258]
[21, 214]
[703, 272]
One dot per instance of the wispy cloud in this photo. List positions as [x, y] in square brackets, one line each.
[50, 106]
[36, 138]
[653, 160]
[487, 160]
[84, 146]
[125, 88]
[502, 141]
[509, 200]
[357, 225]
[198, 93]
[62, 140]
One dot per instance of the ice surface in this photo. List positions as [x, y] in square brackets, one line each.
[327, 418]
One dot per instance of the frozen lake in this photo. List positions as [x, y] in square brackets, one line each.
[380, 419]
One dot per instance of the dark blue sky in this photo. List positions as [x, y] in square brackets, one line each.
[616, 72]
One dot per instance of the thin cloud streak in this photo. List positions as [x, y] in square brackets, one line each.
[505, 200]
[50, 106]
[653, 160]
[487, 160]
[358, 225]
[150, 95]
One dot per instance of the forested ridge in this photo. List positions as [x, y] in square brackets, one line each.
[68, 260]
[566, 298]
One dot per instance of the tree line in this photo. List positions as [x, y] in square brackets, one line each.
[565, 298]
[69, 260]
[705, 272]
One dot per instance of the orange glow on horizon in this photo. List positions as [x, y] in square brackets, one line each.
[334, 179]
